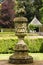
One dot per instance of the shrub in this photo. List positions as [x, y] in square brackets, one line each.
[33, 27]
[34, 45]
[7, 45]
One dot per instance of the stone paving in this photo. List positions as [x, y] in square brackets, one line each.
[34, 63]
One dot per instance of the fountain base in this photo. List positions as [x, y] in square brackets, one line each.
[20, 55]
[21, 61]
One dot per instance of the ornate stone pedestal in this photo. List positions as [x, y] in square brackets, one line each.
[20, 55]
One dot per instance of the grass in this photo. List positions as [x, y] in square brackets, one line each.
[5, 56]
[32, 34]
[33, 37]
[7, 35]
[36, 56]
[2, 34]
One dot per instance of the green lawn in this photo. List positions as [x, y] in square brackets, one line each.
[7, 35]
[36, 56]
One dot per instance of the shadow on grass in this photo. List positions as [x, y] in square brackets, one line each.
[41, 48]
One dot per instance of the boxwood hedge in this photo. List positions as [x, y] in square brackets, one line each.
[7, 45]
[34, 45]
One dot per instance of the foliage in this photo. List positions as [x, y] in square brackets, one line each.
[7, 14]
[34, 45]
[32, 27]
[25, 6]
[19, 8]
[7, 45]
[31, 7]
[41, 14]
[7, 35]
[7, 30]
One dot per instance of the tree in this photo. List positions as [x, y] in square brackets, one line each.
[41, 14]
[24, 4]
[19, 6]
[31, 7]
[37, 5]
[7, 13]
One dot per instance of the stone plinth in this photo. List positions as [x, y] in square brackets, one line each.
[20, 55]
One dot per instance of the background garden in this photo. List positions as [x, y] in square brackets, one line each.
[8, 39]
[30, 7]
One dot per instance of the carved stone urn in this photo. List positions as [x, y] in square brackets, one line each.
[21, 24]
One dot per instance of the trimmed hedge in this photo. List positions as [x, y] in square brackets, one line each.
[7, 45]
[34, 45]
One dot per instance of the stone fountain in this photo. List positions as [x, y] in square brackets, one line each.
[20, 55]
